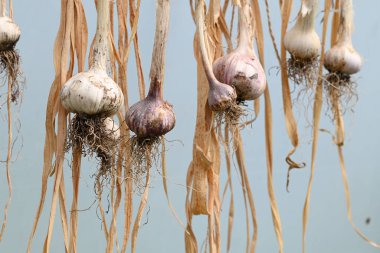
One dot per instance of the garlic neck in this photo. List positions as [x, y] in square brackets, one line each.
[306, 15]
[161, 35]
[202, 43]
[100, 50]
[345, 26]
[155, 89]
[245, 28]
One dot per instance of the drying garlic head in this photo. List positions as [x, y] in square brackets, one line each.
[302, 42]
[92, 93]
[9, 34]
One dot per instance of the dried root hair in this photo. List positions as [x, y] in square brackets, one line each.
[90, 134]
[144, 153]
[10, 68]
[303, 73]
[231, 116]
[340, 86]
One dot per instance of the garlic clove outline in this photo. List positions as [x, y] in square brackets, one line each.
[91, 93]
[9, 33]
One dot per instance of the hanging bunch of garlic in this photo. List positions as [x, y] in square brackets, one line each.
[152, 117]
[304, 46]
[342, 60]
[94, 97]
[241, 69]
[9, 57]
[221, 96]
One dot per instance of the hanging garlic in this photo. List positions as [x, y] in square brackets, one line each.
[94, 97]
[153, 117]
[241, 68]
[221, 96]
[302, 42]
[342, 57]
[94, 92]
[9, 57]
[9, 33]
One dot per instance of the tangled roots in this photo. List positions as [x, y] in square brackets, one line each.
[231, 115]
[10, 66]
[303, 73]
[144, 153]
[340, 87]
[91, 135]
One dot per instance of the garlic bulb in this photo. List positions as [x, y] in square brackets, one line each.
[152, 116]
[342, 57]
[241, 68]
[9, 33]
[94, 92]
[221, 96]
[301, 41]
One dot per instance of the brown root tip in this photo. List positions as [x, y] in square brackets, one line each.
[230, 116]
[91, 135]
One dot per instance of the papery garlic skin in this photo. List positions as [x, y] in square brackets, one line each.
[302, 41]
[343, 59]
[9, 33]
[91, 93]
[243, 72]
[150, 118]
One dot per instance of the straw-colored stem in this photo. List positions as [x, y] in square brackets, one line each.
[3, 8]
[100, 49]
[316, 120]
[161, 35]
[245, 27]
[8, 161]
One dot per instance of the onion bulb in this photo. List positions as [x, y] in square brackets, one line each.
[241, 68]
[304, 45]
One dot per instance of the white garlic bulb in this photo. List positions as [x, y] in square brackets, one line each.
[342, 57]
[301, 41]
[92, 93]
[9, 33]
